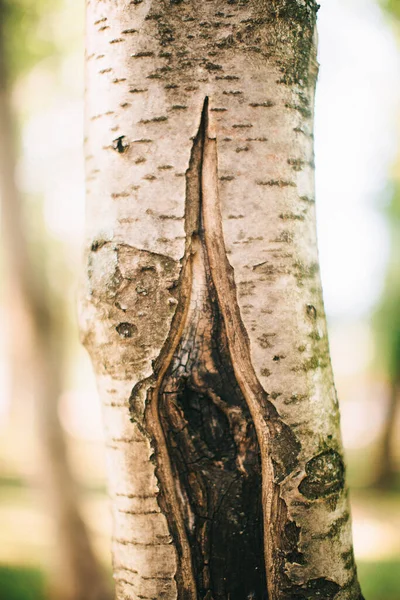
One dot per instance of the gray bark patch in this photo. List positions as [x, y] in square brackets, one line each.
[325, 475]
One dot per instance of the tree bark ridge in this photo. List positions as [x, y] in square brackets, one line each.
[206, 448]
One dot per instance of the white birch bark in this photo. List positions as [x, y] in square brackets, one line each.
[153, 67]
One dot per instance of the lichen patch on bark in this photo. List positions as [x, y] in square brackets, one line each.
[324, 475]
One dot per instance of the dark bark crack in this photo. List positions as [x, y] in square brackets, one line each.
[221, 449]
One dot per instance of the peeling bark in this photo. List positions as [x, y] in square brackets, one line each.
[203, 310]
[207, 452]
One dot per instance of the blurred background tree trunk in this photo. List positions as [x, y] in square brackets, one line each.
[386, 322]
[386, 464]
[386, 325]
[37, 346]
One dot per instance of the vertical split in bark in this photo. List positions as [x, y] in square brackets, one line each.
[208, 458]
[221, 446]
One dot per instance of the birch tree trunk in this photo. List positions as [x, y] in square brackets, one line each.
[202, 306]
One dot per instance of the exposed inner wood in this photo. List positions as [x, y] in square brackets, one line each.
[278, 445]
[213, 450]
[220, 445]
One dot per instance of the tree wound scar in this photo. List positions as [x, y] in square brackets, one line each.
[220, 446]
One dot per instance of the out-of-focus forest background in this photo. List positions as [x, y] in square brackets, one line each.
[54, 518]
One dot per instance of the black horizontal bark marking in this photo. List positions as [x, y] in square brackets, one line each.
[276, 183]
[142, 55]
[267, 104]
[138, 512]
[160, 119]
[132, 496]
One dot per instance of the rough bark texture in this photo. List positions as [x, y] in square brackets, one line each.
[202, 307]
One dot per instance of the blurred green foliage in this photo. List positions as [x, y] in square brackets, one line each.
[386, 319]
[21, 583]
[393, 6]
[387, 316]
[380, 580]
[28, 35]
